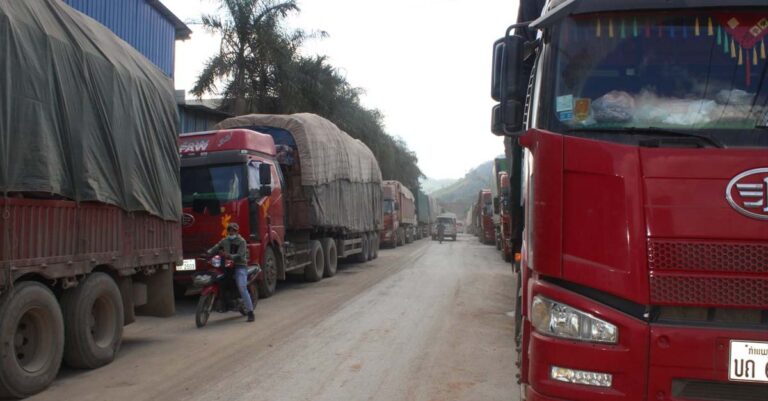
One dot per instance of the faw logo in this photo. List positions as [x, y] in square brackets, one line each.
[193, 146]
[187, 220]
[748, 193]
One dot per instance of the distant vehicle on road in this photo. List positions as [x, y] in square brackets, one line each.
[449, 221]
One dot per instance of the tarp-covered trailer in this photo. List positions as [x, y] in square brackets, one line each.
[89, 204]
[427, 210]
[332, 187]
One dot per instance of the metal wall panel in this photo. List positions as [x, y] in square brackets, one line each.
[138, 23]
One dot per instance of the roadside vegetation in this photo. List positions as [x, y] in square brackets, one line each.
[260, 69]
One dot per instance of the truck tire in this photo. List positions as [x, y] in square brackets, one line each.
[268, 284]
[313, 272]
[362, 257]
[400, 237]
[31, 322]
[93, 312]
[331, 256]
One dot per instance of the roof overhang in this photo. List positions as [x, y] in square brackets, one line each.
[182, 30]
[559, 9]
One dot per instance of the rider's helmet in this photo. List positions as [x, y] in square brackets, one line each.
[233, 226]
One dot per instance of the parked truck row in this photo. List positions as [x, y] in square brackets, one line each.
[637, 197]
[104, 210]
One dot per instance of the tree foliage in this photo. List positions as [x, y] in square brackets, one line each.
[261, 70]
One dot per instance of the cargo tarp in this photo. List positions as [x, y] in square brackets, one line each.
[83, 115]
[339, 174]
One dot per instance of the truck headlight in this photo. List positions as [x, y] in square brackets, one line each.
[560, 320]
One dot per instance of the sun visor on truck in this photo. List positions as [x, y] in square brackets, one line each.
[83, 116]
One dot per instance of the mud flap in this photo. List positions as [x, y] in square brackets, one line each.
[160, 300]
[125, 284]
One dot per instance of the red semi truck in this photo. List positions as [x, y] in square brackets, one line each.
[638, 137]
[303, 192]
[399, 214]
[89, 211]
[486, 230]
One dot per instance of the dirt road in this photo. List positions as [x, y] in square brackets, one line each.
[426, 321]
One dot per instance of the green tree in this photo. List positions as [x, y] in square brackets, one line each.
[262, 72]
[255, 50]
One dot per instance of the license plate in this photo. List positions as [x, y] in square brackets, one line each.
[748, 361]
[189, 264]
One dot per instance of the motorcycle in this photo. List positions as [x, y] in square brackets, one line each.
[218, 289]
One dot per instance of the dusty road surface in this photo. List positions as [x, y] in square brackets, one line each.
[426, 321]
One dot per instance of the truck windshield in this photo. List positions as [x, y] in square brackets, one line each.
[223, 183]
[697, 72]
[389, 206]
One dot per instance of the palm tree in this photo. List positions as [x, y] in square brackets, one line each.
[255, 48]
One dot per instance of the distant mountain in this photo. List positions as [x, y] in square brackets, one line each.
[429, 185]
[458, 196]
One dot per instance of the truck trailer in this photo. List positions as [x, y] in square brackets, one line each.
[303, 192]
[400, 222]
[637, 133]
[427, 210]
[90, 206]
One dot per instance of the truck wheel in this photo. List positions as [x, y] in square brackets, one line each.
[268, 284]
[362, 257]
[331, 257]
[93, 312]
[313, 272]
[31, 323]
[400, 237]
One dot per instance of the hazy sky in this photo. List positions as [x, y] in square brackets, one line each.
[425, 64]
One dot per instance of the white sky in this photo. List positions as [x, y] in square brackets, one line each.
[425, 64]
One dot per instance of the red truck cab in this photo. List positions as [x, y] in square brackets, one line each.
[643, 135]
[229, 176]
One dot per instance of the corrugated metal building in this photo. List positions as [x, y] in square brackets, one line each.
[153, 30]
[145, 24]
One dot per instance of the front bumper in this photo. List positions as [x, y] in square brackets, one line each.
[651, 360]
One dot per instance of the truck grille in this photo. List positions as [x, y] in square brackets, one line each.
[715, 391]
[707, 256]
[697, 273]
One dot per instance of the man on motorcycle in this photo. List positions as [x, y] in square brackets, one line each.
[440, 231]
[236, 249]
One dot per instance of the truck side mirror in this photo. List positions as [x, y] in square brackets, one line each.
[265, 174]
[397, 206]
[508, 122]
[508, 85]
[496, 206]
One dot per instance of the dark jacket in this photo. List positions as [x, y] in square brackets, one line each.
[236, 249]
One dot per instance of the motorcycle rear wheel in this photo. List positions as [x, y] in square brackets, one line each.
[203, 311]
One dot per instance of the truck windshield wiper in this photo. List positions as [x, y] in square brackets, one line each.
[652, 131]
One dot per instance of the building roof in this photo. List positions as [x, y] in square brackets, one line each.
[182, 30]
